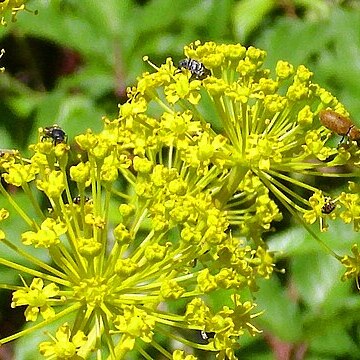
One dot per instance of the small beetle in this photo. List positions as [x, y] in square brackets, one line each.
[55, 133]
[339, 124]
[197, 69]
[329, 206]
[77, 200]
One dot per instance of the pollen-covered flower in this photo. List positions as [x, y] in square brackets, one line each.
[162, 208]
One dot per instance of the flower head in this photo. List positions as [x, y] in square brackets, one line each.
[161, 208]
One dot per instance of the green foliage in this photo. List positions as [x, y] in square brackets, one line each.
[328, 45]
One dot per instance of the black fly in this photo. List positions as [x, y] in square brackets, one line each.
[197, 69]
[77, 199]
[56, 133]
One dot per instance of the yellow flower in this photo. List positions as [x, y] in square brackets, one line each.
[4, 214]
[64, 345]
[180, 355]
[46, 236]
[37, 297]
[135, 323]
[352, 264]
[53, 184]
[19, 174]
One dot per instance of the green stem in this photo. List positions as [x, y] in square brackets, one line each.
[17, 208]
[33, 259]
[230, 185]
[35, 273]
[285, 201]
[33, 328]
[34, 202]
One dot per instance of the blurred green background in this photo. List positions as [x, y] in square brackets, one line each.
[71, 64]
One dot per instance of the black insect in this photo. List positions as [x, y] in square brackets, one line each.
[329, 206]
[56, 133]
[207, 335]
[77, 199]
[197, 69]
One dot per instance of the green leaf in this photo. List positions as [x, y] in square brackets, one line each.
[219, 18]
[315, 276]
[74, 113]
[281, 316]
[296, 240]
[335, 342]
[248, 14]
[6, 141]
[328, 44]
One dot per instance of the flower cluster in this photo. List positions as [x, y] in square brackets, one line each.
[14, 6]
[167, 206]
